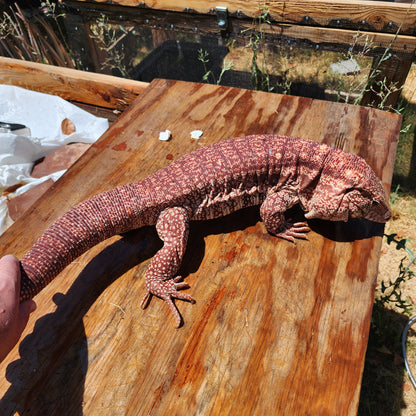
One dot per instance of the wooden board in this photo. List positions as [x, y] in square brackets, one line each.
[356, 14]
[278, 328]
[86, 87]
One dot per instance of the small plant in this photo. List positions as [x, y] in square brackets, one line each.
[391, 292]
[359, 49]
[49, 10]
[394, 195]
[260, 73]
[108, 36]
[380, 87]
[33, 38]
[203, 57]
[260, 77]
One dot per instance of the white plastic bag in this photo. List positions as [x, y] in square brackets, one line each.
[43, 114]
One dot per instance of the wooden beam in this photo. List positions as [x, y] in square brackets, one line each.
[85, 87]
[342, 37]
[335, 39]
[352, 14]
[338, 37]
[356, 14]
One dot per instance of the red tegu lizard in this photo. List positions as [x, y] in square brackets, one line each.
[275, 172]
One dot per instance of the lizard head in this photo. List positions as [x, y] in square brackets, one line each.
[363, 203]
[349, 189]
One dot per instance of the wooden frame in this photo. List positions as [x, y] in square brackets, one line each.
[325, 24]
[352, 14]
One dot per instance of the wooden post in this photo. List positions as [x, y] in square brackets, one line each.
[386, 81]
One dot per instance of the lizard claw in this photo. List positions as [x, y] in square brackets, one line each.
[168, 290]
[291, 231]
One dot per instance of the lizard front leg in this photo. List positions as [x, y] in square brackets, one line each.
[272, 213]
[173, 228]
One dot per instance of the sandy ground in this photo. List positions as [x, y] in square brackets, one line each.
[404, 225]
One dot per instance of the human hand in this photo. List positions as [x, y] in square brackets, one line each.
[13, 315]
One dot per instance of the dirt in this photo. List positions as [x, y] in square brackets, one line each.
[403, 224]
[386, 385]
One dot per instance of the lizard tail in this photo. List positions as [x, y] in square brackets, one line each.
[82, 227]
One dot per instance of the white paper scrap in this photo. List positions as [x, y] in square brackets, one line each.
[165, 135]
[196, 134]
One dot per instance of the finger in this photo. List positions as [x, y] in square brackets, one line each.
[10, 273]
[9, 287]
[301, 224]
[181, 285]
[146, 300]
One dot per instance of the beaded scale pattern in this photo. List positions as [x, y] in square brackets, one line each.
[275, 172]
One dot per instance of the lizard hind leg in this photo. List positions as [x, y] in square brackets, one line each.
[173, 228]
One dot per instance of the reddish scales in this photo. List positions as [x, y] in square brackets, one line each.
[274, 171]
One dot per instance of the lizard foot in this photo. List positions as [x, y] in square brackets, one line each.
[168, 290]
[291, 231]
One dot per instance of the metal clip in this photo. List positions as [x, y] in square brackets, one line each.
[18, 129]
[222, 17]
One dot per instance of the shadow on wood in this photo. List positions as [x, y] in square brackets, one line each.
[61, 383]
[52, 342]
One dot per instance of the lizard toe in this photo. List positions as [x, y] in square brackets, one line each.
[292, 231]
[146, 300]
[168, 290]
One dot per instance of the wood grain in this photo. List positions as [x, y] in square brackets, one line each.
[278, 328]
[356, 14]
[87, 87]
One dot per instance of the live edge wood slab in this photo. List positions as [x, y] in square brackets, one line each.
[278, 328]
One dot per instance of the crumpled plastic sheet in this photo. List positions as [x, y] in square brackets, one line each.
[43, 114]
